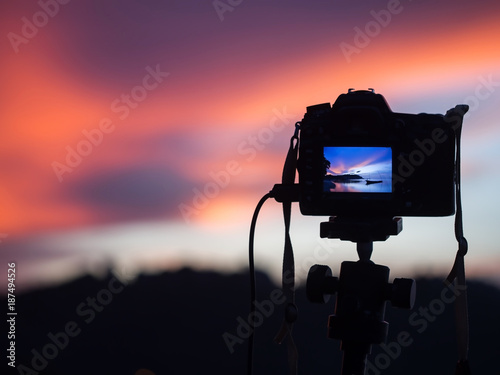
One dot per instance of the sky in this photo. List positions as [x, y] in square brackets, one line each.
[140, 135]
[359, 160]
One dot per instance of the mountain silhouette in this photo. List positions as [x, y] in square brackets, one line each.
[188, 322]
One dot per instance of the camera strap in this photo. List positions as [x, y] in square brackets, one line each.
[288, 271]
[457, 273]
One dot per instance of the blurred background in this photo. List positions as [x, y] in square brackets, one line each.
[139, 135]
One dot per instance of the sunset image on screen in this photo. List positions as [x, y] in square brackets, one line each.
[358, 170]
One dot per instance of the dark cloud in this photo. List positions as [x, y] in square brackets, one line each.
[110, 41]
[133, 193]
[32, 248]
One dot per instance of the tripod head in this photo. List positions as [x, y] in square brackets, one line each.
[358, 230]
[362, 290]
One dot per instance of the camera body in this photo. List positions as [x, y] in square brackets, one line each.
[357, 158]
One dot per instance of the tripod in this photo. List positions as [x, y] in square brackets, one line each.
[362, 289]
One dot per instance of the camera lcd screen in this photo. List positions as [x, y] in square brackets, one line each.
[357, 170]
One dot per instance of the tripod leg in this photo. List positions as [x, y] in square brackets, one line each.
[354, 357]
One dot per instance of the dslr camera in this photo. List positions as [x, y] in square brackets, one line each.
[357, 158]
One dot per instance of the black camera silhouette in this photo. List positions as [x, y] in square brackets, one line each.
[357, 158]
